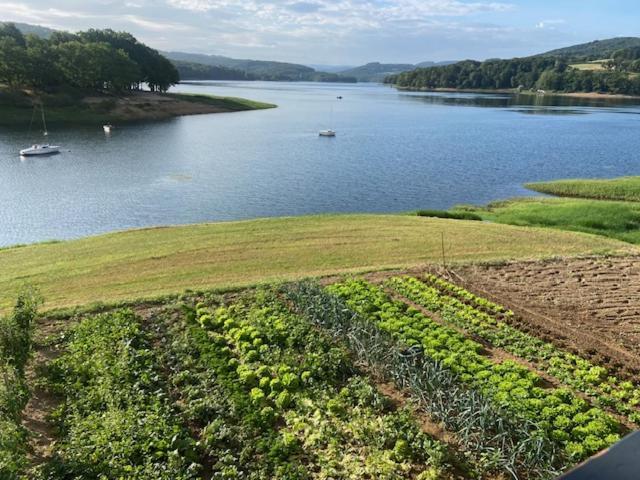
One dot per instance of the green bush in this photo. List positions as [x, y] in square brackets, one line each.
[455, 215]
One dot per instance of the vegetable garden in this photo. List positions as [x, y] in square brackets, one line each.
[406, 377]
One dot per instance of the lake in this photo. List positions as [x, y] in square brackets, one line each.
[394, 151]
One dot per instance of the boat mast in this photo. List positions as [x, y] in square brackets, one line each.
[44, 122]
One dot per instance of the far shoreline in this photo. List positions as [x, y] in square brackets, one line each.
[513, 91]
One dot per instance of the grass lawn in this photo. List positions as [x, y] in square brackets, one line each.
[595, 66]
[623, 188]
[619, 220]
[152, 262]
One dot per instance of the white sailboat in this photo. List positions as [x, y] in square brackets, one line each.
[328, 132]
[40, 149]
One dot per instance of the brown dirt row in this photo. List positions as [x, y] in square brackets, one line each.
[588, 306]
[498, 355]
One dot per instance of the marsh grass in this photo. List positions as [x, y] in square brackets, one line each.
[623, 188]
[619, 220]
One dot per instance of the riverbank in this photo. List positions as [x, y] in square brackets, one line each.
[605, 207]
[158, 261]
[16, 108]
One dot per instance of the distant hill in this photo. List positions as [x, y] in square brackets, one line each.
[199, 71]
[26, 29]
[435, 64]
[330, 68]
[377, 72]
[260, 69]
[596, 50]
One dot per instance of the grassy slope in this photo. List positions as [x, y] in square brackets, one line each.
[150, 262]
[624, 188]
[619, 220]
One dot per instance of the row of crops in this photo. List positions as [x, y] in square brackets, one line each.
[472, 314]
[246, 390]
[353, 380]
[15, 346]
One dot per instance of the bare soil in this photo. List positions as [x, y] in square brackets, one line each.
[42, 402]
[590, 306]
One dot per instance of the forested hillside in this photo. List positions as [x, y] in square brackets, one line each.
[377, 72]
[560, 72]
[96, 60]
[595, 50]
[199, 71]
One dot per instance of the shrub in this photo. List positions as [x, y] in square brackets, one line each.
[455, 215]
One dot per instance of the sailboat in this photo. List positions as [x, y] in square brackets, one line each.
[328, 132]
[40, 148]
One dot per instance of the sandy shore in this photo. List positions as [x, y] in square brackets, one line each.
[153, 106]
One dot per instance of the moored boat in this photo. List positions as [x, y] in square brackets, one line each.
[44, 149]
[40, 148]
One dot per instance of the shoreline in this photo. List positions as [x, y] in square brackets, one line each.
[17, 108]
[512, 91]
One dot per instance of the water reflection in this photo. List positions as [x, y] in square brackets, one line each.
[557, 103]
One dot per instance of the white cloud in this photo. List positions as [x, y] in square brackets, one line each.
[156, 26]
[313, 31]
[550, 24]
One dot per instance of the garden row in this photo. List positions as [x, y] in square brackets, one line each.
[493, 440]
[247, 390]
[486, 320]
[15, 348]
[115, 420]
[560, 415]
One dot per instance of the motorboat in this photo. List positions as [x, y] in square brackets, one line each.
[108, 128]
[327, 133]
[44, 149]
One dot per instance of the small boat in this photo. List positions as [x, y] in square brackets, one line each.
[107, 128]
[44, 149]
[339, 97]
[327, 133]
[39, 148]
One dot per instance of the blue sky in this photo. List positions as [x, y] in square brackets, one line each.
[343, 31]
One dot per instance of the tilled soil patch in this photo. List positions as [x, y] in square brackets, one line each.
[590, 306]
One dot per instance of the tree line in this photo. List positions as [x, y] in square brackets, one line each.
[531, 73]
[97, 60]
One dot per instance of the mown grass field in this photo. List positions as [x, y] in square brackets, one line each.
[595, 66]
[619, 220]
[623, 188]
[157, 261]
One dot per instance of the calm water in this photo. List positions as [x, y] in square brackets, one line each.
[394, 151]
